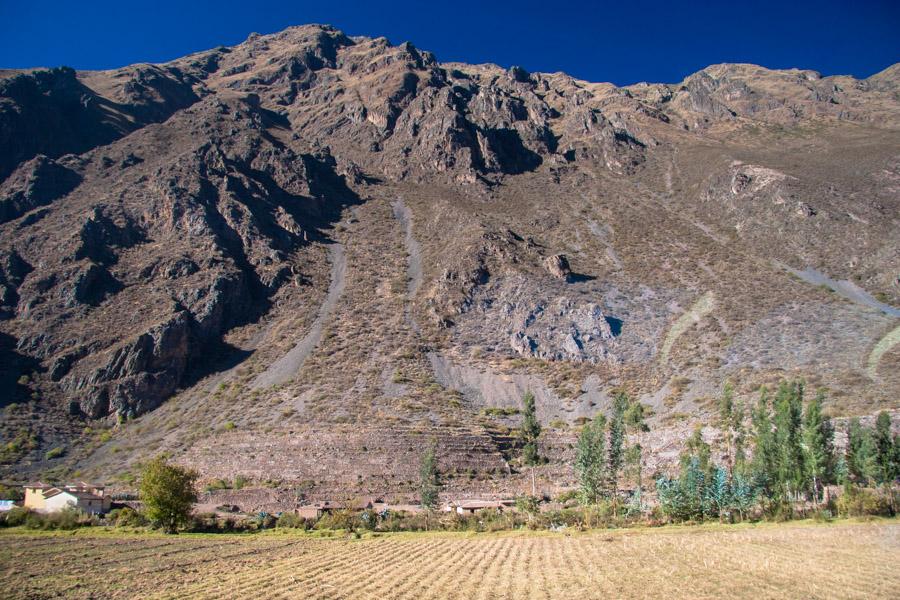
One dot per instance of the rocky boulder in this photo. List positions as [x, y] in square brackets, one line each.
[558, 266]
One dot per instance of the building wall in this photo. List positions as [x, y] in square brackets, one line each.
[64, 500]
[308, 512]
[59, 502]
[92, 507]
[34, 498]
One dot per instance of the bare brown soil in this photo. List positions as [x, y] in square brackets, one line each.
[845, 560]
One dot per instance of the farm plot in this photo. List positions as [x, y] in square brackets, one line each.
[784, 561]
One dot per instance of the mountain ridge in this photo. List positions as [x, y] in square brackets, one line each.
[573, 239]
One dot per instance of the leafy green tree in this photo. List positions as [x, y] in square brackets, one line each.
[717, 495]
[860, 454]
[616, 454]
[167, 493]
[885, 456]
[731, 423]
[740, 435]
[684, 498]
[634, 464]
[429, 479]
[635, 422]
[764, 455]
[726, 423]
[590, 460]
[696, 448]
[687, 497]
[635, 417]
[818, 445]
[531, 431]
[788, 419]
[672, 500]
[744, 494]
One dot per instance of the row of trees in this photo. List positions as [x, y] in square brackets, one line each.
[792, 458]
[773, 455]
[603, 455]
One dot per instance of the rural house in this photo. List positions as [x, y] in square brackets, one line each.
[56, 500]
[34, 495]
[84, 496]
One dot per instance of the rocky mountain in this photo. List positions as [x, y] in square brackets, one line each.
[301, 258]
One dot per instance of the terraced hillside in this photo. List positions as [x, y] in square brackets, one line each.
[302, 258]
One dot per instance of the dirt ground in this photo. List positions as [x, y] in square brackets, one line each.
[796, 560]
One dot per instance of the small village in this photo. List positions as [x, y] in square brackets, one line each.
[93, 499]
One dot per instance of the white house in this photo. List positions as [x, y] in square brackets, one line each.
[56, 500]
[84, 496]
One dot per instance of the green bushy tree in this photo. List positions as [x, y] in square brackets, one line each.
[616, 454]
[168, 494]
[788, 419]
[590, 460]
[860, 454]
[429, 479]
[530, 432]
[885, 459]
[818, 446]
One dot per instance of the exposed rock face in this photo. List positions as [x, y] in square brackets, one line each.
[164, 234]
[142, 373]
[201, 242]
[13, 270]
[35, 183]
[558, 266]
[54, 112]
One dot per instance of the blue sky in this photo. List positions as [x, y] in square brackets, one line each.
[622, 42]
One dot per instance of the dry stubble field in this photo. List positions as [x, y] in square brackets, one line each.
[798, 560]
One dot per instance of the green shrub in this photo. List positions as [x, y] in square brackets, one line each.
[567, 497]
[34, 521]
[266, 521]
[203, 523]
[292, 521]
[860, 502]
[127, 517]
[217, 484]
[338, 519]
[16, 516]
[499, 412]
[54, 453]
[528, 504]
[18, 447]
[67, 519]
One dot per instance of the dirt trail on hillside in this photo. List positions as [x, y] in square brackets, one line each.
[288, 365]
[883, 346]
[700, 309]
[414, 258]
[844, 288]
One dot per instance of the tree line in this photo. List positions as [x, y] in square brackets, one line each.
[774, 456]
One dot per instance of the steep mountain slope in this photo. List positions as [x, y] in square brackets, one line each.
[301, 258]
